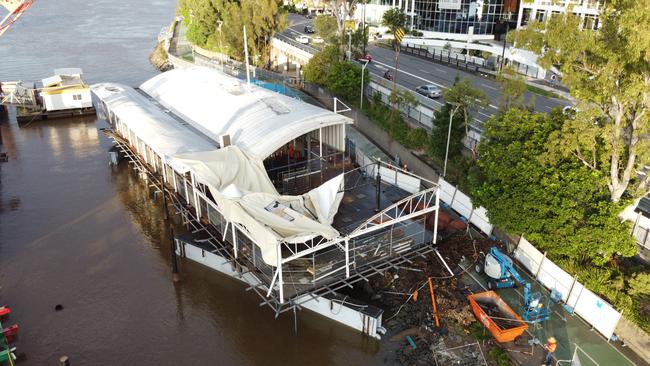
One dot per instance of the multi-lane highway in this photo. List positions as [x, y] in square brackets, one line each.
[414, 71]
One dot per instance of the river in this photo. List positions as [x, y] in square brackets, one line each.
[76, 232]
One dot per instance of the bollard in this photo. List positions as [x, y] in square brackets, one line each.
[64, 361]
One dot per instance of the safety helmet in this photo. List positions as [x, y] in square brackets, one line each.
[552, 340]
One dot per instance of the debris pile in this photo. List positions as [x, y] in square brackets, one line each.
[409, 302]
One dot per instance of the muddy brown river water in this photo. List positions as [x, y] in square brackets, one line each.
[76, 232]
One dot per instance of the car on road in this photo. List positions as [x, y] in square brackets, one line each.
[429, 90]
[318, 40]
[302, 39]
[365, 58]
[309, 29]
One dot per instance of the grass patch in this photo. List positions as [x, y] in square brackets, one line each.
[542, 92]
[499, 356]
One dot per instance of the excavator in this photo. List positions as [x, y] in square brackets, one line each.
[16, 8]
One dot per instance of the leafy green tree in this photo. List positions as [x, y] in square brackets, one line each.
[262, 18]
[440, 130]
[465, 99]
[608, 71]
[326, 27]
[359, 41]
[317, 69]
[201, 17]
[394, 19]
[558, 204]
[513, 89]
[344, 80]
[400, 99]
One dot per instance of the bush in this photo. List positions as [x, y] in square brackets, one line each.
[344, 80]
[417, 138]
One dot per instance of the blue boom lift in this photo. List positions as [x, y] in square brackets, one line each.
[503, 274]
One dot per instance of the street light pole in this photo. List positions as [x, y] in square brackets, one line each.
[451, 119]
[503, 53]
[364, 27]
[363, 70]
[349, 45]
[220, 23]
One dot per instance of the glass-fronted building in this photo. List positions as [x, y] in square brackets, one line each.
[451, 19]
[460, 17]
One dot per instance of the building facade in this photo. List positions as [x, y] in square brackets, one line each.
[542, 10]
[448, 19]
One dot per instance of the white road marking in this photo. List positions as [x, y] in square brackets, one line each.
[489, 86]
[381, 67]
[412, 75]
[493, 106]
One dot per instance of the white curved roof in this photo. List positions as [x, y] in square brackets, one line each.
[259, 121]
[160, 131]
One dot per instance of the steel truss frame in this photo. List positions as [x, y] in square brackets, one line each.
[409, 208]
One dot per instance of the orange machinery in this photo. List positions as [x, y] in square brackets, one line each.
[495, 315]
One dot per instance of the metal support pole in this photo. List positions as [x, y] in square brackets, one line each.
[347, 258]
[378, 189]
[349, 45]
[539, 269]
[175, 277]
[248, 76]
[451, 118]
[234, 238]
[280, 281]
[435, 223]
[363, 69]
[503, 53]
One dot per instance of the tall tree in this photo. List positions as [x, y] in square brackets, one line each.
[559, 204]
[326, 27]
[262, 19]
[395, 20]
[341, 10]
[608, 71]
[438, 141]
[464, 98]
[513, 89]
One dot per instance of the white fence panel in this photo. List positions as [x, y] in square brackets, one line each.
[528, 255]
[480, 219]
[388, 175]
[554, 278]
[408, 182]
[575, 294]
[597, 312]
[447, 191]
[462, 204]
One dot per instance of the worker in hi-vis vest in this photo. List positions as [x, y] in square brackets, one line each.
[550, 347]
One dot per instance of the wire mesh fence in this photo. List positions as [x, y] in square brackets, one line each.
[465, 355]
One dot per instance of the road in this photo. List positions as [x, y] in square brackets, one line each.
[414, 71]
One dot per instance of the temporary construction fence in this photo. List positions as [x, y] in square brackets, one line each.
[593, 309]
[578, 358]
